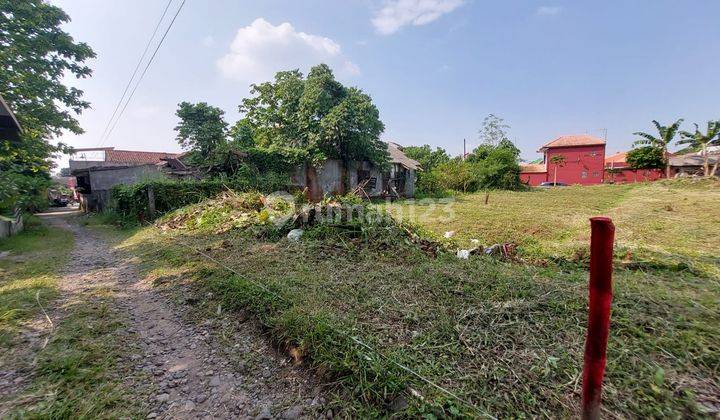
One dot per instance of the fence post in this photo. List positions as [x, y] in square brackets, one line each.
[151, 202]
[598, 329]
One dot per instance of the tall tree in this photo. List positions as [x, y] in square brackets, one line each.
[666, 135]
[493, 131]
[36, 55]
[317, 115]
[201, 130]
[426, 156]
[700, 140]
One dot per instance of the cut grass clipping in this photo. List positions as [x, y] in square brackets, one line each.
[505, 338]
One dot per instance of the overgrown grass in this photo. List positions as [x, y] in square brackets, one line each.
[79, 372]
[505, 338]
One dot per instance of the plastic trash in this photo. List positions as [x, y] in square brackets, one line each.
[294, 235]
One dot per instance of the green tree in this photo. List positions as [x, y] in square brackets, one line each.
[317, 115]
[426, 156]
[666, 135]
[427, 179]
[493, 131]
[557, 161]
[647, 157]
[36, 55]
[242, 134]
[201, 130]
[699, 140]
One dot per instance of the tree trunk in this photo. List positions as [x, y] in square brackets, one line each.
[667, 163]
[555, 177]
[706, 160]
[345, 176]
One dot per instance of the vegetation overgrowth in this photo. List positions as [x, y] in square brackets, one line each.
[505, 338]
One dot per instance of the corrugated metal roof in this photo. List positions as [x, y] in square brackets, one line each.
[693, 159]
[398, 156]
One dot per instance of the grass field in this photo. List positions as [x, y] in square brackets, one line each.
[505, 339]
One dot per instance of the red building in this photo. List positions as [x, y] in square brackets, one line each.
[576, 159]
[617, 171]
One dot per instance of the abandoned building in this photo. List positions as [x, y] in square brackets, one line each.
[693, 164]
[97, 170]
[364, 178]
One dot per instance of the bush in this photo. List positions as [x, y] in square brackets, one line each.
[131, 201]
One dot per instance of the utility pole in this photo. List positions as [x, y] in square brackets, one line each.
[464, 150]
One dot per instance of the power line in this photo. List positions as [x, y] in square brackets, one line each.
[134, 73]
[152, 57]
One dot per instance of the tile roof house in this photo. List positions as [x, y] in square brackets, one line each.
[583, 156]
[99, 169]
[617, 171]
[573, 141]
[109, 156]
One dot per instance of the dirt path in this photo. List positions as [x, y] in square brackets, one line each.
[192, 374]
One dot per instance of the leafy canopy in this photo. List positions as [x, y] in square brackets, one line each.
[493, 130]
[35, 57]
[36, 54]
[316, 114]
[666, 134]
[426, 156]
[699, 140]
[201, 129]
[647, 157]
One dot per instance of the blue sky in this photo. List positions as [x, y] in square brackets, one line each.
[435, 68]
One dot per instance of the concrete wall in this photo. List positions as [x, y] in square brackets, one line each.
[101, 181]
[584, 165]
[11, 225]
[108, 178]
[329, 177]
[534, 178]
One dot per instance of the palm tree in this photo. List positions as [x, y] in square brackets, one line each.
[667, 134]
[699, 140]
[557, 160]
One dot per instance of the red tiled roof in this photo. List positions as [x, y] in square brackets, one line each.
[136, 157]
[533, 168]
[574, 140]
[617, 158]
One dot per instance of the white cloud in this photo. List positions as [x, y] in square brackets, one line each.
[261, 49]
[398, 13]
[549, 10]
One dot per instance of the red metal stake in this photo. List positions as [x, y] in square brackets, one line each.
[601, 267]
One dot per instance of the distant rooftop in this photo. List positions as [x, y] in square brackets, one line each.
[533, 167]
[574, 140]
[110, 154]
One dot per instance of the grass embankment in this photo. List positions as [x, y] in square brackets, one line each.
[505, 338]
[72, 369]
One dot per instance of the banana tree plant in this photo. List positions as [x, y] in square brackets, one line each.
[666, 136]
[700, 140]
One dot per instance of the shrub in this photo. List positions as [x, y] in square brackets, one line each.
[132, 200]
